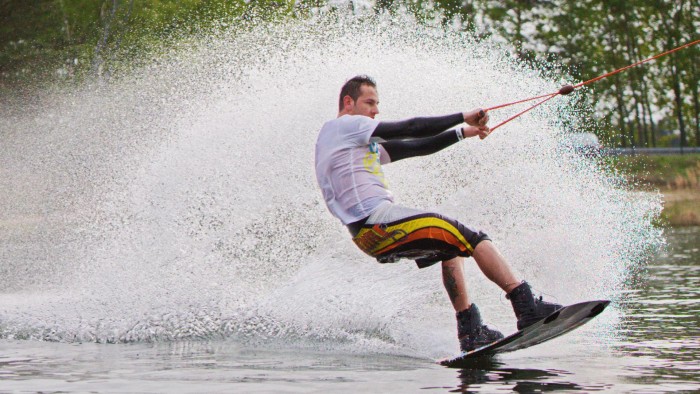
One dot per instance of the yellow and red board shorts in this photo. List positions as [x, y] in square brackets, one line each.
[424, 237]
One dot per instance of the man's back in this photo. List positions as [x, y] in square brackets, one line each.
[348, 167]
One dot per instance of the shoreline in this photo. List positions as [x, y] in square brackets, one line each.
[681, 207]
[675, 177]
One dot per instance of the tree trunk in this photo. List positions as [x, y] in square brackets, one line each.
[696, 108]
[649, 114]
[626, 136]
[633, 78]
[66, 22]
[679, 104]
[694, 75]
[613, 40]
[694, 82]
[97, 64]
[519, 31]
[118, 40]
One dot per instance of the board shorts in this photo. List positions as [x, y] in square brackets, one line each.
[393, 232]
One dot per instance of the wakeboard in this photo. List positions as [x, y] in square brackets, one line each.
[552, 326]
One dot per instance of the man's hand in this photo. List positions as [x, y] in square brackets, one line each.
[473, 131]
[476, 117]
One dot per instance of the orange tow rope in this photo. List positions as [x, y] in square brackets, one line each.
[566, 89]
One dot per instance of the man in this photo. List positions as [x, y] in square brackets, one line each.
[350, 152]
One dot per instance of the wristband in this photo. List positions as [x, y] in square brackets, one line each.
[460, 134]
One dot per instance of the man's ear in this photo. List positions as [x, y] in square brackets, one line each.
[348, 102]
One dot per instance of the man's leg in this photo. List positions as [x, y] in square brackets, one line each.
[494, 266]
[456, 286]
[491, 263]
[471, 331]
[527, 309]
[496, 269]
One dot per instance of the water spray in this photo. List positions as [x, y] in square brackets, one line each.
[163, 206]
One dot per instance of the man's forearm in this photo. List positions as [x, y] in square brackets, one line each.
[417, 127]
[402, 149]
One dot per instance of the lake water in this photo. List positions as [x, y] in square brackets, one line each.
[655, 348]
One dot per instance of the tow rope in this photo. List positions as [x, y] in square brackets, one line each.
[566, 89]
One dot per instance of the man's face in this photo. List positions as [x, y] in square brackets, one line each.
[368, 102]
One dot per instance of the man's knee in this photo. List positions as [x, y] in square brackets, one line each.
[455, 261]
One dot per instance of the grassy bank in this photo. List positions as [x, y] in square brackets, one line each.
[677, 177]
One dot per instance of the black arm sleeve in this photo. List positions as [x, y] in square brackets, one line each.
[403, 149]
[416, 127]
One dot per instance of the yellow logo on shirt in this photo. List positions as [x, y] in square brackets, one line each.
[373, 164]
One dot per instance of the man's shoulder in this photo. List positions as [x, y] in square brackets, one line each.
[350, 121]
[347, 131]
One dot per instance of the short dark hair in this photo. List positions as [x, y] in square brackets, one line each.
[352, 88]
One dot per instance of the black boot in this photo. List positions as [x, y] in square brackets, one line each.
[529, 309]
[472, 332]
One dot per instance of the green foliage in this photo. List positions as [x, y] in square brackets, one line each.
[47, 39]
[69, 39]
[593, 37]
[660, 170]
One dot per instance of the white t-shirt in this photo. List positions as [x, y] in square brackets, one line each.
[349, 167]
